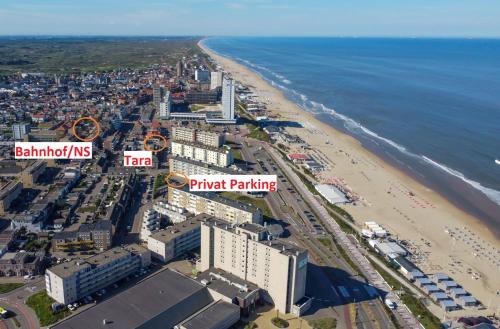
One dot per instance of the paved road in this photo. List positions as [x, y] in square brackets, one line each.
[14, 301]
[289, 206]
[402, 313]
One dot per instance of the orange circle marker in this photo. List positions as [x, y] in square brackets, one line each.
[91, 138]
[186, 179]
[148, 137]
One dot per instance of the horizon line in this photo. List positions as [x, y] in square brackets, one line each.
[245, 36]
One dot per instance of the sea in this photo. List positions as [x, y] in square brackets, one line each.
[431, 107]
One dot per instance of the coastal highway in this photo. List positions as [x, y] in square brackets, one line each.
[371, 314]
[324, 278]
[404, 316]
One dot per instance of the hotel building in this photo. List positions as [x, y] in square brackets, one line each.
[278, 268]
[228, 98]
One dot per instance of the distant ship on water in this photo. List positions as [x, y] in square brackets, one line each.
[497, 162]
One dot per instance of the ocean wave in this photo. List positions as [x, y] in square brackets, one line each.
[492, 194]
[355, 127]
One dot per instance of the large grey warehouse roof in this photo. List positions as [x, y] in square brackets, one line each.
[212, 316]
[159, 302]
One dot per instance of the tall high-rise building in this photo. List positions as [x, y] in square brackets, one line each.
[158, 95]
[244, 250]
[228, 98]
[179, 69]
[216, 79]
[165, 106]
[19, 130]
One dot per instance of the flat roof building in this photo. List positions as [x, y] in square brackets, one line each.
[214, 205]
[438, 277]
[165, 300]
[30, 174]
[467, 301]
[448, 305]
[71, 281]
[278, 268]
[97, 236]
[331, 193]
[8, 193]
[191, 167]
[217, 156]
[437, 296]
[192, 135]
[430, 288]
[175, 240]
[448, 285]
[230, 288]
[217, 315]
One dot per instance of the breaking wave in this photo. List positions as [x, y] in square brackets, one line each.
[357, 128]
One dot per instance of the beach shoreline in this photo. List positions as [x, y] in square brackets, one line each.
[425, 220]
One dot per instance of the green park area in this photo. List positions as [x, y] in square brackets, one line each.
[41, 303]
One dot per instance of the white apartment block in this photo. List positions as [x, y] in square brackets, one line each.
[276, 267]
[222, 157]
[216, 79]
[175, 240]
[150, 223]
[209, 138]
[190, 167]
[173, 213]
[184, 134]
[191, 135]
[72, 281]
[165, 106]
[214, 205]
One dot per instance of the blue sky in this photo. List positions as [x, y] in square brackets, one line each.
[470, 18]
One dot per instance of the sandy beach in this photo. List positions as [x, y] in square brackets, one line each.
[441, 237]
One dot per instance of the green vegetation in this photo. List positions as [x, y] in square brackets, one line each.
[342, 212]
[257, 133]
[326, 242]
[97, 203]
[35, 245]
[237, 154]
[279, 322]
[41, 303]
[426, 318]
[259, 203]
[87, 209]
[8, 287]
[343, 225]
[325, 323]
[66, 54]
[159, 182]
[251, 325]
